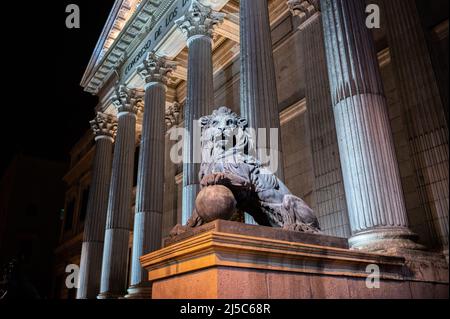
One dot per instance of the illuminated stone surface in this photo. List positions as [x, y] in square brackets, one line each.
[428, 123]
[227, 147]
[372, 184]
[259, 103]
[198, 25]
[258, 87]
[231, 260]
[311, 164]
[117, 234]
[330, 206]
[215, 202]
[150, 183]
[104, 128]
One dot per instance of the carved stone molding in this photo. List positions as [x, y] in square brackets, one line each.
[127, 23]
[173, 115]
[104, 125]
[293, 111]
[304, 9]
[128, 100]
[199, 20]
[156, 68]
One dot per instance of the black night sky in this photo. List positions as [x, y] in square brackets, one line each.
[47, 110]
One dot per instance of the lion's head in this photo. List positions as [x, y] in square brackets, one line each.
[224, 134]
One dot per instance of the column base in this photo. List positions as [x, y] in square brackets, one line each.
[445, 253]
[422, 265]
[385, 239]
[143, 291]
[109, 295]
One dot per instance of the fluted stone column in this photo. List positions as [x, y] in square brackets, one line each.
[150, 183]
[259, 99]
[426, 120]
[117, 234]
[330, 208]
[170, 216]
[371, 176]
[104, 128]
[197, 24]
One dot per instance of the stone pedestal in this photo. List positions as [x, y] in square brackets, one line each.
[233, 260]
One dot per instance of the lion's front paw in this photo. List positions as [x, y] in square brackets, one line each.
[213, 179]
[302, 227]
[177, 230]
[291, 227]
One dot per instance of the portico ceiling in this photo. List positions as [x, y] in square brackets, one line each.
[132, 21]
[127, 8]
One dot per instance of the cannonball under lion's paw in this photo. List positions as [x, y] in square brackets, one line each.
[215, 202]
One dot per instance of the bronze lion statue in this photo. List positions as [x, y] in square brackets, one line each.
[227, 145]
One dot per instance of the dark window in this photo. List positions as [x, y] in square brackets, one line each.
[72, 293]
[69, 215]
[58, 286]
[26, 250]
[32, 210]
[84, 203]
[136, 165]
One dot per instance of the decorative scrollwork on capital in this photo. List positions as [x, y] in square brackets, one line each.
[304, 9]
[104, 125]
[173, 115]
[199, 20]
[128, 100]
[156, 68]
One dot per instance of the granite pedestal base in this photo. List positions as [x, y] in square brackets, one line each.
[232, 260]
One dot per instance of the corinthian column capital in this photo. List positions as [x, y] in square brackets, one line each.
[304, 9]
[128, 100]
[173, 115]
[199, 20]
[104, 125]
[156, 68]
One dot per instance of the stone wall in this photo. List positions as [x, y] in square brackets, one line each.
[298, 163]
[417, 215]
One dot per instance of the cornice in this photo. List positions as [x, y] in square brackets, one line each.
[101, 41]
[293, 111]
[304, 9]
[136, 39]
[440, 32]
[119, 15]
[138, 25]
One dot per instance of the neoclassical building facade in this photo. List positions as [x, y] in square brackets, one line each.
[362, 115]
